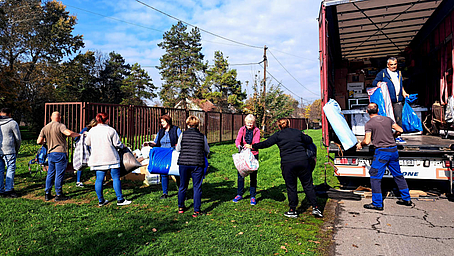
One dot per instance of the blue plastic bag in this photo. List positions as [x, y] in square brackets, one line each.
[377, 98]
[160, 160]
[410, 121]
[339, 124]
[411, 98]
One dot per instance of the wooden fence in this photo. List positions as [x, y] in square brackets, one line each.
[137, 124]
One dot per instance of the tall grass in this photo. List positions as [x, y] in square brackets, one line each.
[150, 226]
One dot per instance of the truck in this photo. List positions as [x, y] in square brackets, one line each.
[356, 38]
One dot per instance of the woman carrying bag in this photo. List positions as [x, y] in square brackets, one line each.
[248, 134]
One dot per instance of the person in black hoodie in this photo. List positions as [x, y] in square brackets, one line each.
[193, 147]
[295, 164]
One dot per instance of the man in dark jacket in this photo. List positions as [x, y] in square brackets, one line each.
[10, 140]
[397, 93]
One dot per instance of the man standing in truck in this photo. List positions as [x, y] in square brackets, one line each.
[379, 131]
[397, 93]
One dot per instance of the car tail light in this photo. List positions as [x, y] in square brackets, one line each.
[346, 161]
[447, 164]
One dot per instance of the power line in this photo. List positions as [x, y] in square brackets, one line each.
[292, 75]
[295, 55]
[112, 18]
[201, 29]
[281, 83]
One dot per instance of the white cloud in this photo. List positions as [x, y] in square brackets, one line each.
[289, 28]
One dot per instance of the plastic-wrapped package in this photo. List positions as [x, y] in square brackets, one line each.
[245, 162]
[339, 124]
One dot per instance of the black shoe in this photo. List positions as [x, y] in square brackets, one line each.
[11, 194]
[48, 197]
[403, 202]
[291, 214]
[61, 198]
[164, 196]
[373, 207]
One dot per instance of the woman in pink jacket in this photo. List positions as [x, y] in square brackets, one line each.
[246, 135]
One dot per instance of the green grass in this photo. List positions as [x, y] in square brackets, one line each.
[150, 226]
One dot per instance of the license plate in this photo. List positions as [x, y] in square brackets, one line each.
[406, 162]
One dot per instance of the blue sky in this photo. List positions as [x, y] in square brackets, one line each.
[289, 29]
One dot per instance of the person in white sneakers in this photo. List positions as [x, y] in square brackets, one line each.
[104, 142]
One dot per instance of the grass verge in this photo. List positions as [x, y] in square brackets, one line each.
[150, 226]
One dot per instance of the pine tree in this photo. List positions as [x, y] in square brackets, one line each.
[223, 89]
[181, 65]
[137, 87]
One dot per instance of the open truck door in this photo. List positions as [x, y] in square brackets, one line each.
[356, 38]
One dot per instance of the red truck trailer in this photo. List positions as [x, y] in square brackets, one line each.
[356, 39]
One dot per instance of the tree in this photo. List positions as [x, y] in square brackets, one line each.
[111, 79]
[315, 113]
[76, 79]
[137, 86]
[181, 65]
[277, 103]
[34, 37]
[223, 89]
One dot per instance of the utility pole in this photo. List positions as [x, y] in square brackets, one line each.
[265, 63]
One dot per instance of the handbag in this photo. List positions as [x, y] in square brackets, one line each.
[128, 161]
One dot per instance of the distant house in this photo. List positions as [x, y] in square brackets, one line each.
[197, 104]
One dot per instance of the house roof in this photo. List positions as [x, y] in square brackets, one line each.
[198, 104]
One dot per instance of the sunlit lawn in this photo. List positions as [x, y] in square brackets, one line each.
[150, 226]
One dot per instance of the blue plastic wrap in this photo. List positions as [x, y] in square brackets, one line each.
[411, 98]
[339, 125]
[410, 121]
[164, 161]
[377, 98]
[160, 160]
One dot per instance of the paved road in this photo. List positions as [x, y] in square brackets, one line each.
[427, 228]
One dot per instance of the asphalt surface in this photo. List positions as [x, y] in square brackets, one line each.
[426, 228]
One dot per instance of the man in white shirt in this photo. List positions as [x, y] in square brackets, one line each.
[397, 93]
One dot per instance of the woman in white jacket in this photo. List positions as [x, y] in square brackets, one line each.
[104, 142]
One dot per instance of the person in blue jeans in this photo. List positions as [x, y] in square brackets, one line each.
[54, 135]
[85, 130]
[10, 141]
[104, 142]
[248, 134]
[379, 132]
[167, 138]
[193, 148]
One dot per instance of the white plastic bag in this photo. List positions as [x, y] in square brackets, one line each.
[245, 162]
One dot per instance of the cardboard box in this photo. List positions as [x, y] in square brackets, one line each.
[342, 100]
[357, 86]
[355, 78]
[368, 82]
[340, 73]
[134, 176]
[340, 86]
